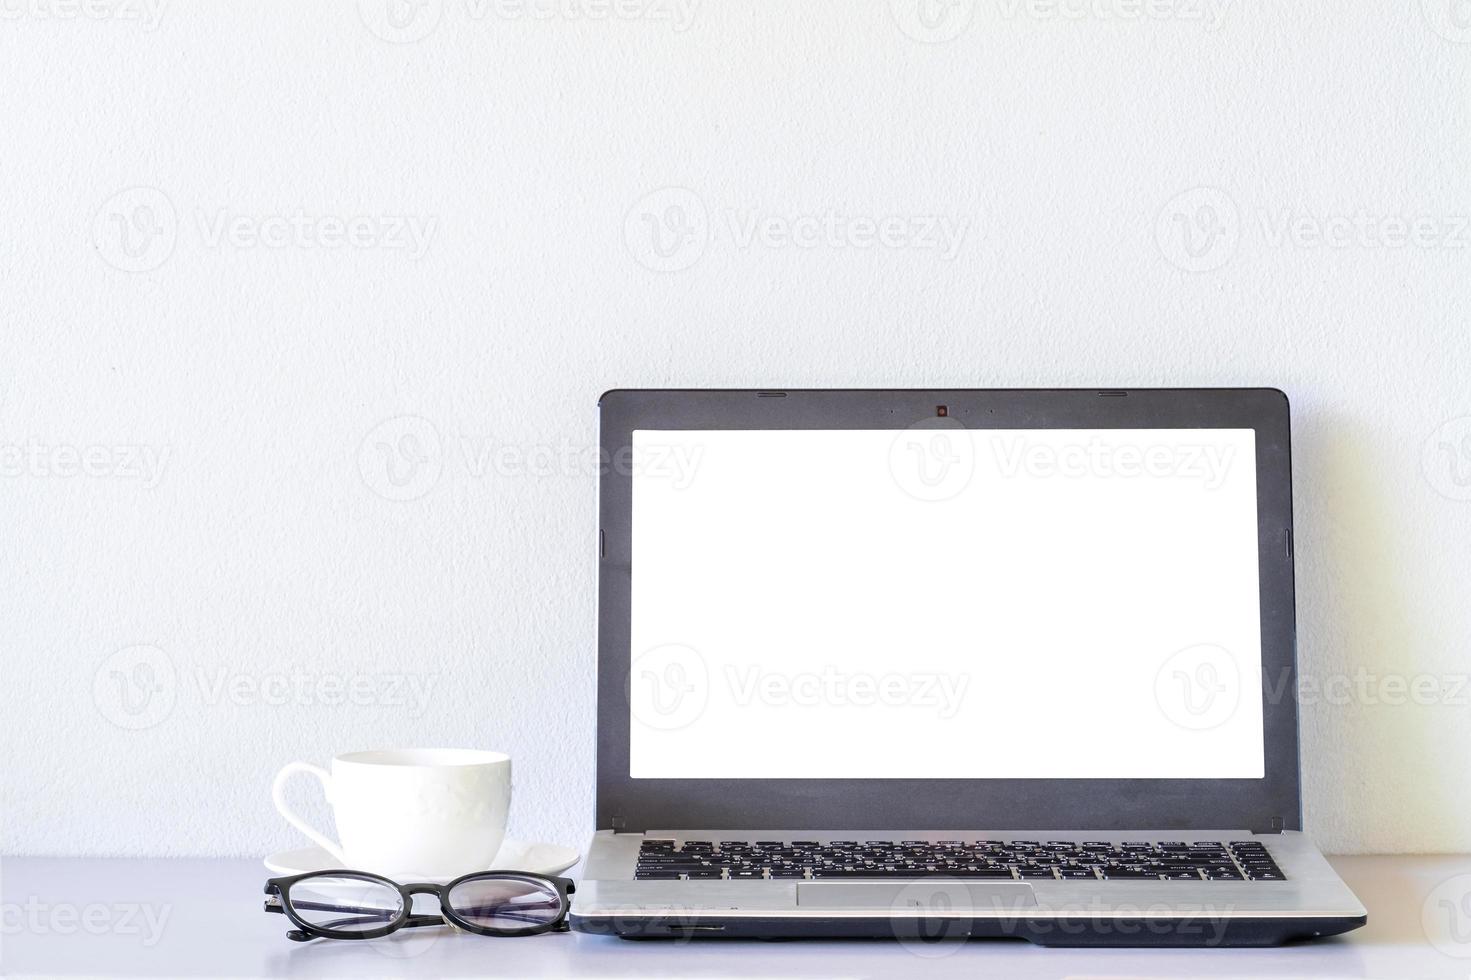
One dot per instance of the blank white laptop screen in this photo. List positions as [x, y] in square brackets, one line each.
[945, 603]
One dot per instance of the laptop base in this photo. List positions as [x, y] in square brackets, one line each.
[1187, 932]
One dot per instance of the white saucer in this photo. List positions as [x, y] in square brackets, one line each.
[514, 855]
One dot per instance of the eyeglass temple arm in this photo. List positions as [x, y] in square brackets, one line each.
[412, 922]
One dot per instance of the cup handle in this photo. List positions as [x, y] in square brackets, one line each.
[278, 796]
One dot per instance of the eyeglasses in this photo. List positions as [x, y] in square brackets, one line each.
[359, 905]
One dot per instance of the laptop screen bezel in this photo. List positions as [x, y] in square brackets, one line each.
[1271, 803]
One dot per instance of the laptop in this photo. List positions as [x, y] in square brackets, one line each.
[950, 664]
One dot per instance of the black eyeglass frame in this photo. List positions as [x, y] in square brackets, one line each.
[279, 901]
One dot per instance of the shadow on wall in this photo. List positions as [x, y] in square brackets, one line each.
[1377, 716]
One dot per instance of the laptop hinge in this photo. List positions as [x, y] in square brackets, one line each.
[618, 824]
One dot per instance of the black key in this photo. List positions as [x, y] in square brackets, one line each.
[1035, 873]
[1080, 873]
[704, 874]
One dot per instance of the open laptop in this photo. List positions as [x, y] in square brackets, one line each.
[935, 664]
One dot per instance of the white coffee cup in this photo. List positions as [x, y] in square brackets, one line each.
[419, 813]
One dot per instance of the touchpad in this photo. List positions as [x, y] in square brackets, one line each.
[932, 894]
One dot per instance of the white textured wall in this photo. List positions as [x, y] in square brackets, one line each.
[328, 231]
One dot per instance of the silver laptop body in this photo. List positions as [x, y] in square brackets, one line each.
[950, 664]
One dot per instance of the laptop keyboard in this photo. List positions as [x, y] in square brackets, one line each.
[668, 860]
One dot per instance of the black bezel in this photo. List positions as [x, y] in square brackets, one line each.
[1269, 804]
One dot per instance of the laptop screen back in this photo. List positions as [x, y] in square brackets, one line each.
[945, 603]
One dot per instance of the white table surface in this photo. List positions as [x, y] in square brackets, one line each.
[172, 918]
